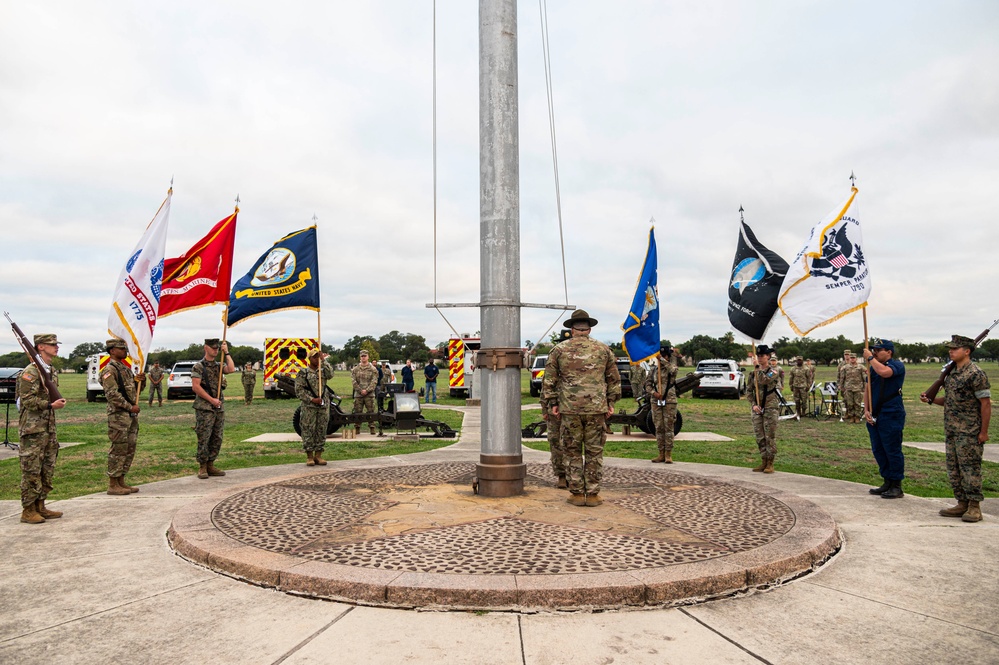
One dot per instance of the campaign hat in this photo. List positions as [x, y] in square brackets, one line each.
[579, 316]
[764, 350]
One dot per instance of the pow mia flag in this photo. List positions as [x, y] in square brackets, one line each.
[829, 278]
[757, 274]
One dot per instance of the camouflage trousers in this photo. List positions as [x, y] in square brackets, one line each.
[364, 404]
[664, 418]
[248, 393]
[208, 426]
[583, 436]
[765, 429]
[38, 453]
[313, 421]
[964, 466]
[800, 400]
[556, 445]
[155, 389]
[123, 431]
[853, 403]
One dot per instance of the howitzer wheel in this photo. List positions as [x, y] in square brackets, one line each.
[296, 422]
[650, 427]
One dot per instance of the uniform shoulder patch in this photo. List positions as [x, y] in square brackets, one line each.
[106, 375]
[28, 376]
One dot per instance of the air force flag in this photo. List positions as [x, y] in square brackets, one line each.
[285, 277]
[641, 328]
[754, 284]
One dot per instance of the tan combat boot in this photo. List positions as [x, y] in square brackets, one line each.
[121, 481]
[213, 471]
[45, 512]
[763, 465]
[574, 499]
[312, 459]
[660, 459]
[30, 516]
[956, 511]
[769, 468]
[372, 430]
[974, 513]
[203, 471]
[319, 458]
[593, 500]
[668, 458]
[115, 488]
[561, 484]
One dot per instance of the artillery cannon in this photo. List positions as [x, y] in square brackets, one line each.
[641, 418]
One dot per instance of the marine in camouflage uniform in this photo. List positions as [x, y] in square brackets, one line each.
[155, 375]
[582, 384]
[364, 380]
[249, 377]
[660, 386]
[851, 384]
[967, 412]
[209, 410]
[36, 428]
[800, 382]
[310, 387]
[122, 393]
[761, 391]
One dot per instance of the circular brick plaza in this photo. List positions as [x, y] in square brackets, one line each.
[417, 536]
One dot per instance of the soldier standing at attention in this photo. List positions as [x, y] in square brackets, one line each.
[800, 383]
[249, 382]
[310, 387]
[967, 411]
[852, 387]
[660, 385]
[636, 377]
[885, 416]
[209, 410]
[364, 379]
[582, 384]
[36, 428]
[155, 375]
[122, 393]
[761, 391]
[780, 372]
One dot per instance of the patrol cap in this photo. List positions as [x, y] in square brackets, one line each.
[579, 316]
[364, 353]
[314, 352]
[46, 338]
[115, 343]
[213, 342]
[763, 350]
[957, 341]
[878, 343]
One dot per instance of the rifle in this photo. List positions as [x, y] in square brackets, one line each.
[931, 392]
[29, 348]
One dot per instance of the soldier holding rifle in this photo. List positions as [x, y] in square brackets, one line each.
[761, 391]
[967, 410]
[122, 393]
[38, 399]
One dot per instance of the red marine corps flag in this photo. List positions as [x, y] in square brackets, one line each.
[200, 276]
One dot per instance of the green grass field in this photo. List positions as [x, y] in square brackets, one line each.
[166, 448]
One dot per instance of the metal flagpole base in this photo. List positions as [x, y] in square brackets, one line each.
[501, 475]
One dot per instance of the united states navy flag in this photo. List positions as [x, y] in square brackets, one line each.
[754, 284]
[285, 277]
[641, 328]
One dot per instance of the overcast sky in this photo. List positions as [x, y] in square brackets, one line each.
[681, 111]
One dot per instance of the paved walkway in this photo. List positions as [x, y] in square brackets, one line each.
[102, 585]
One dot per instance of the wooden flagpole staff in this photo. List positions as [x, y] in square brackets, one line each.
[867, 384]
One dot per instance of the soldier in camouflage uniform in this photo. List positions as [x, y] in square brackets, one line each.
[636, 376]
[967, 412]
[364, 380]
[761, 391]
[851, 384]
[310, 387]
[660, 386]
[780, 373]
[582, 384]
[209, 410]
[800, 381]
[249, 377]
[155, 375]
[122, 393]
[36, 428]
[385, 377]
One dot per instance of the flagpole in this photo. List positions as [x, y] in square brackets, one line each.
[756, 383]
[867, 384]
[225, 329]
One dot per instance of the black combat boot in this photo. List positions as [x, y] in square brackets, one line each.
[895, 491]
[881, 490]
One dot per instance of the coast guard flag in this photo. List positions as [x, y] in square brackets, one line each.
[285, 277]
[641, 328]
[137, 292]
[829, 278]
[202, 275]
[753, 287]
